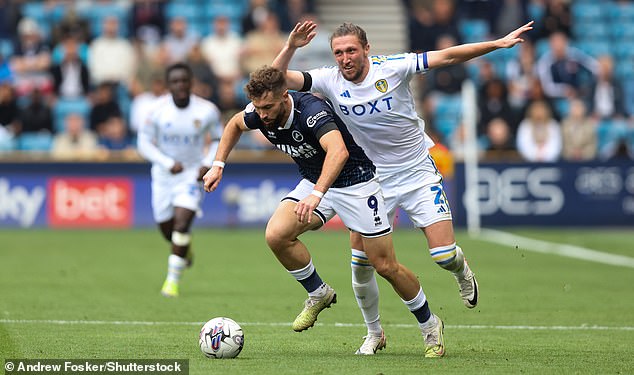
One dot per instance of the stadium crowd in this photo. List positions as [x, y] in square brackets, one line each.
[78, 78]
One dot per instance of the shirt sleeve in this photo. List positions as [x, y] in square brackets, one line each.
[147, 147]
[215, 131]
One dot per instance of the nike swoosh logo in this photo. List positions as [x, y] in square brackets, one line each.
[474, 300]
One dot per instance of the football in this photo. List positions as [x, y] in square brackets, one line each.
[221, 338]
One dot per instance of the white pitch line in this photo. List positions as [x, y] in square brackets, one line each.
[338, 325]
[545, 247]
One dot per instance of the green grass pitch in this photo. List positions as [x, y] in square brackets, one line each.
[95, 294]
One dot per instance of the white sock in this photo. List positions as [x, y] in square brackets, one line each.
[366, 291]
[175, 266]
[449, 257]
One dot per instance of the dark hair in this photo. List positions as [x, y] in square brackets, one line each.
[265, 79]
[348, 28]
[176, 66]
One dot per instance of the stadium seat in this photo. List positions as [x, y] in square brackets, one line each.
[189, 11]
[473, 30]
[36, 10]
[64, 107]
[595, 47]
[584, 12]
[228, 10]
[35, 142]
[447, 114]
[623, 49]
[591, 30]
[622, 31]
[624, 70]
[621, 12]
[6, 48]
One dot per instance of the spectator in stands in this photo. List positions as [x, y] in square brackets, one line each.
[446, 79]
[579, 134]
[71, 24]
[149, 65]
[511, 13]
[499, 142]
[487, 10]
[71, 78]
[36, 116]
[115, 139]
[537, 94]
[565, 71]
[75, 142]
[143, 103]
[539, 135]
[256, 14]
[520, 75]
[104, 107]
[427, 25]
[262, 45]
[147, 21]
[10, 13]
[493, 103]
[178, 42]
[8, 109]
[606, 99]
[556, 19]
[222, 49]
[112, 58]
[290, 12]
[31, 59]
[204, 81]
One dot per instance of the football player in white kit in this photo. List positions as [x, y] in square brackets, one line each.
[372, 95]
[180, 138]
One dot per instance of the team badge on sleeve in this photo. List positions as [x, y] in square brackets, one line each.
[381, 85]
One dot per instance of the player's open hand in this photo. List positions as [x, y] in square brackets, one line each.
[302, 34]
[513, 37]
[304, 208]
[212, 178]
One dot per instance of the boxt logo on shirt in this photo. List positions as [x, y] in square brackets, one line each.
[90, 202]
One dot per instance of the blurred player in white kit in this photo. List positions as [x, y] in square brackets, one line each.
[180, 139]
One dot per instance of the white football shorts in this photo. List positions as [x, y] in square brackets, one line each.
[418, 192]
[361, 207]
[179, 190]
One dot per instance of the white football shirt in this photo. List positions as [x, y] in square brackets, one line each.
[380, 111]
[173, 134]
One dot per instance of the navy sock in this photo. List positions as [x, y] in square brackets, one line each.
[423, 313]
[312, 282]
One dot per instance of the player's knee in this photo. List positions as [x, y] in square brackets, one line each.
[180, 238]
[387, 268]
[276, 238]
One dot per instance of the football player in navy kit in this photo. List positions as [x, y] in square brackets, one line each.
[337, 178]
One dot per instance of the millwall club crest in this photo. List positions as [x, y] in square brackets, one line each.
[197, 123]
[381, 85]
[297, 136]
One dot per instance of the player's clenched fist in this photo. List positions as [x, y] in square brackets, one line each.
[212, 178]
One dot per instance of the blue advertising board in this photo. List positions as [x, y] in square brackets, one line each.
[562, 194]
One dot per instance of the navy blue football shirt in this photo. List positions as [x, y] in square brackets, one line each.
[311, 118]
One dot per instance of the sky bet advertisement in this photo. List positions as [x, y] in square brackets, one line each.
[118, 195]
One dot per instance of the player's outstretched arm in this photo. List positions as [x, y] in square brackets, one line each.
[466, 52]
[300, 36]
[230, 136]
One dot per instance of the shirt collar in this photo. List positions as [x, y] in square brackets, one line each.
[289, 122]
